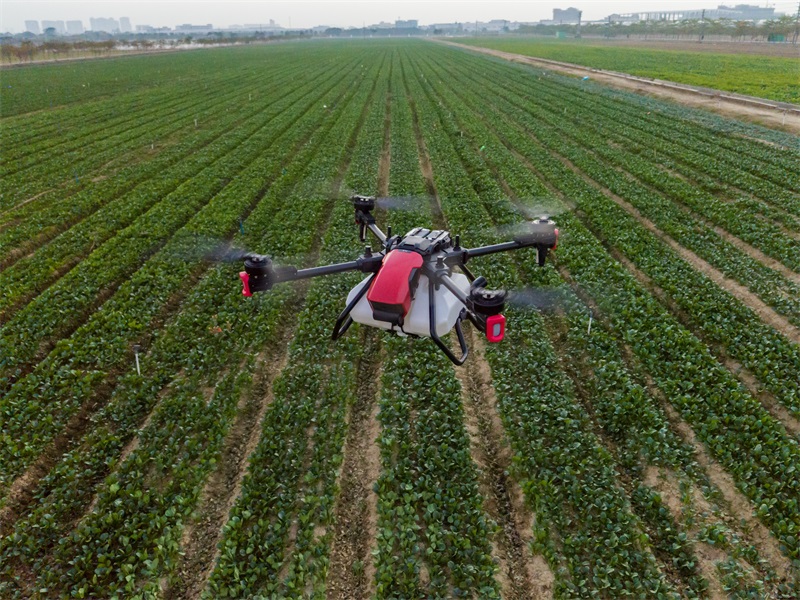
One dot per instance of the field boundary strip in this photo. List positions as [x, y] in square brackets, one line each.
[780, 115]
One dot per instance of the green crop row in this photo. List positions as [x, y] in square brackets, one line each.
[185, 446]
[658, 137]
[774, 289]
[715, 313]
[748, 164]
[629, 417]
[103, 342]
[66, 303]
[45, 217]
[74, 169]
[723, 415]
[116, 131]
[432, 533]
[292, 473]
[32, 274]
[86, 125]
[569, 478]
[57, 88]
[765, 236]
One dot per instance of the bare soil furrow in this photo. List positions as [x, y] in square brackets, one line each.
[738, 507]
[356, 508]
[522, 575]
[201, 536]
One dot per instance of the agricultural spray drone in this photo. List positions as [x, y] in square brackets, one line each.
[411, 288]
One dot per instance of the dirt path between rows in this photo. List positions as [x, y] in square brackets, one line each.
[781, 116]
[522, 575]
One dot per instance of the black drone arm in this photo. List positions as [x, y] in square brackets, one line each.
[543, 236]
[492, 249]
[363, 264]
[260, 275]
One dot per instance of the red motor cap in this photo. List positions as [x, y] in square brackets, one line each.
[390, 292]
[495, 328]
[245, 283]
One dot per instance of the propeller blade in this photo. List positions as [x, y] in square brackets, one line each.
[545, 299]
[538, 208]
[407, 203]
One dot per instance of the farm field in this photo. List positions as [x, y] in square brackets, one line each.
[640, 438]
[763, 76]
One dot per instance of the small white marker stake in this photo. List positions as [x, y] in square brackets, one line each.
[136, 349]
[589, 330]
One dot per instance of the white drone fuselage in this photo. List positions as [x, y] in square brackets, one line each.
[417, 321]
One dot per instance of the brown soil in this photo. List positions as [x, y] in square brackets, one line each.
[351, 573]
[520, 574]
[665, 482]
[764, 114]
[201, 535]
[351, 570]
[707, 557]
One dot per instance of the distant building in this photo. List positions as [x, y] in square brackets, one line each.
[740, 12]
[447, 27]
[268, 27]
[74, 27]
[188, 28]
[410, 24]
[33, 27]
[496, 26]
[103, 24]
[125, 25]
[747, 12]
[151, 29]
[566, 16]
[57, 25]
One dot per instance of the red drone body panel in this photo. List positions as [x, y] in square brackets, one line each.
[391, 289]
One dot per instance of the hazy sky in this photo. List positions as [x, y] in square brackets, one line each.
[13, 13]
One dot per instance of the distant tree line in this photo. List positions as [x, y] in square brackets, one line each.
[27, 48]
